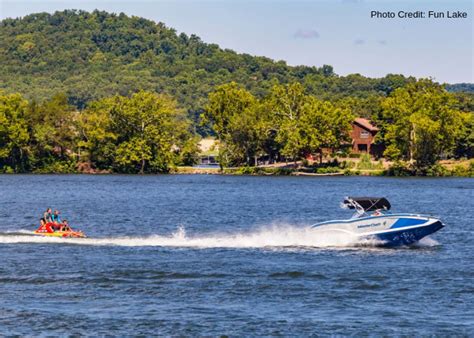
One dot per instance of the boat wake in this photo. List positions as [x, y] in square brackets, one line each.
[276, 236]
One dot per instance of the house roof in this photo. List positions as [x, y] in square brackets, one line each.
[364, 123]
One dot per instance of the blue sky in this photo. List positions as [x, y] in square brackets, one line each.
[335, 32]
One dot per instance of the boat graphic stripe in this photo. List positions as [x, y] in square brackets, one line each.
[406, 222]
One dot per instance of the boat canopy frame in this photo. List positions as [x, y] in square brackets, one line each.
[365, 204]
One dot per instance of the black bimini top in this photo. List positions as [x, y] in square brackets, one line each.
[368, 203]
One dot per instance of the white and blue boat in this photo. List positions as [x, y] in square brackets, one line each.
[373, 220]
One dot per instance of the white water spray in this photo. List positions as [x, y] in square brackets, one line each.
[264, 237]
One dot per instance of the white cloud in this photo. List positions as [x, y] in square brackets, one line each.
[306, 34]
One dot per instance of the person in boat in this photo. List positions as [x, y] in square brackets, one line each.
[65, 226]
[377, 213]
[48, 216]
[56, 218]
[56, 221]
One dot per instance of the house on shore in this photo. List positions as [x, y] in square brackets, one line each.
[363, 136]
[209, 150]
[362, 141]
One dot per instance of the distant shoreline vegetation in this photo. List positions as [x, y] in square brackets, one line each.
[103, 93]
[148, 133]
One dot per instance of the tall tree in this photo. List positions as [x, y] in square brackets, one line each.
[421, 123]
[143, 133]
[232, 113]
[288, 104]
[96, 138]
[465, 141]
[305, 124]
[14, 134]
[51, 123]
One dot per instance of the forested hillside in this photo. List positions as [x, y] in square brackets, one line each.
[89, 56]
[460, 87]
[99, 92]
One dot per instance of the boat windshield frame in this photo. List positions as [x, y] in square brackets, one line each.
[360, 211]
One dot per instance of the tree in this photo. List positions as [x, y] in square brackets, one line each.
[53, 135]
[231, 112]
[96, 138]
[288, 106]
[246, 136]
[336, 127]
[305, 124]
[14, 135]
[465, 141]
[142, 133]
[362, 107]
[421, 123]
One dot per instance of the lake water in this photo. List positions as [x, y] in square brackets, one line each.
[222, 255]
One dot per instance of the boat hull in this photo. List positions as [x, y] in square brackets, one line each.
[408, 236]
[390, 230]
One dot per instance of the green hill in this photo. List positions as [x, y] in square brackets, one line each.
[94, 55]
[256, 106]
[460, 88]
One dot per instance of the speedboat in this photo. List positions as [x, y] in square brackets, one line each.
[48, 231]
[373, 220]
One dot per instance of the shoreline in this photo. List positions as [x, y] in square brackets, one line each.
[445, 168]
[240, 172]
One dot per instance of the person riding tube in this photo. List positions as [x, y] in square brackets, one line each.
[56, 218]
[48, 215]
[65, 226]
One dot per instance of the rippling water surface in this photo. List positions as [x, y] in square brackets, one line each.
[216, 255]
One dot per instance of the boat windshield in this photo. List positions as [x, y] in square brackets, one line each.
[367, 206]
[375, 213]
